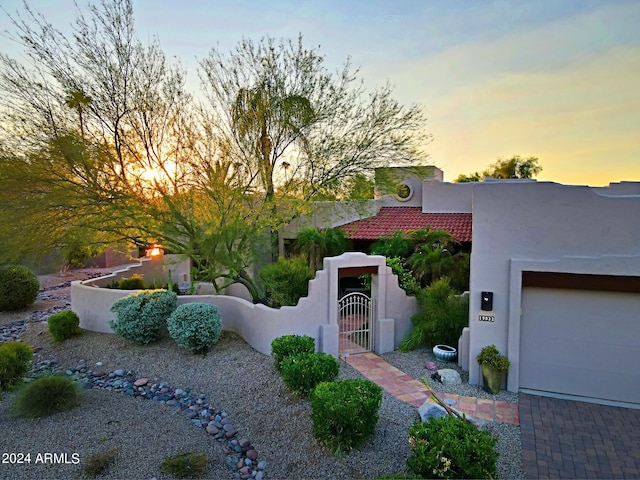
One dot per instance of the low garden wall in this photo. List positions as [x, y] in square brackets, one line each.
[314, 315]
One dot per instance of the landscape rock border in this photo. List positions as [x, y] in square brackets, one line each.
[241, 456]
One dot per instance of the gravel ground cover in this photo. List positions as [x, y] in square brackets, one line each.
[235, 379]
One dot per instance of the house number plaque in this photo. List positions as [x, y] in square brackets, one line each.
[486, 318]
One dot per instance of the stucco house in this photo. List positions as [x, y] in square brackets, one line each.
[560, 263]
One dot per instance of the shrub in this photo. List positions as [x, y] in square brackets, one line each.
[287, 345]
[449, 447]
[134, 282]
[406, 280]
[140, 316]
[345, 413]
[97, 463]
[441, 319]
[302, 372]
[18, 287]
[63, 325]
[286, 281]
[185, 465]
[46, 396]
[460, 272]
[195, 326]
[14, 363]
[76, 251]
[399, 476]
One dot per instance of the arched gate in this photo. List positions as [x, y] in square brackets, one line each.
[355, 317]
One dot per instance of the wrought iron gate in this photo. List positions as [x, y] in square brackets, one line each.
[355, 319]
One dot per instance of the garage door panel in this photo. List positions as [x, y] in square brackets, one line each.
[582, 343]
[584, 383]
[553, 352]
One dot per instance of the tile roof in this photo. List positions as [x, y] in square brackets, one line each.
[392, 219]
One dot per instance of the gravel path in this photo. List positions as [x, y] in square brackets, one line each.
[236, 379]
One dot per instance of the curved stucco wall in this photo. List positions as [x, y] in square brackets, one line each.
[315, 315]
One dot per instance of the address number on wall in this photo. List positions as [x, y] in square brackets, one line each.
[486, 318]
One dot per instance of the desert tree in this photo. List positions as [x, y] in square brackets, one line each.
[92, 128]
[504, 168]
[100, 138]
[296, 129]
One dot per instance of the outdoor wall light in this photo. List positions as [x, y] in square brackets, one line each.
[154, 252]
[486, 301]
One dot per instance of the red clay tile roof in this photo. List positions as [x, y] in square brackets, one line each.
[392, 219]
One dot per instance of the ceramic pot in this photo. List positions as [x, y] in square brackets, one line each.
[445, 353]
[492, 378]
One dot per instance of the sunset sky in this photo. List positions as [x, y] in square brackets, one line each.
[555, 79]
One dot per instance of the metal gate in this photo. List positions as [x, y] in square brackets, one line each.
[355, 319]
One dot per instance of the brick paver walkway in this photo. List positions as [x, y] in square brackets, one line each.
[413, 392]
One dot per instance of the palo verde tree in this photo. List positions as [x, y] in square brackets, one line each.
[101, 140]
[295, 130]
[514, 167]
[93, 129]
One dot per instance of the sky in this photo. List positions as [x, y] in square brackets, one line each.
[554, 79]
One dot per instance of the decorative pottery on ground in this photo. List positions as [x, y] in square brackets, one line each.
[445, 353]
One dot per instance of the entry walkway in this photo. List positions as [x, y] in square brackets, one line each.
[413, 392]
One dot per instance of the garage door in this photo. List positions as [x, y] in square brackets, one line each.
[581, 342]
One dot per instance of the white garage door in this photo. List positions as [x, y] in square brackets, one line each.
[581, 342]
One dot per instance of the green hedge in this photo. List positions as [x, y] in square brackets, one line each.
[441, 318]
[345, 413]
[18, 287]
[449, 447]
[63, 325]
[288, 345]
[286, 281]
[302, 372]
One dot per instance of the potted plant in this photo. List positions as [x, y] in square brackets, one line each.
[494, 367]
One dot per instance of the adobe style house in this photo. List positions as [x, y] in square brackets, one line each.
[559, 265]
[366, 221]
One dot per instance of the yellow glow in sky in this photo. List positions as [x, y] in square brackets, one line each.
[555, 79]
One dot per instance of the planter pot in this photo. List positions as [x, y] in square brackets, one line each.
[492, 378]
[445, 353]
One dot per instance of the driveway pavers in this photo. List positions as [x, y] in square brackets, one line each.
[568, 439]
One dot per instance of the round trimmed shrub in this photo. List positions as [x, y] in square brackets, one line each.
[14, 363]
[449, 447]
[46, 396]
[302, 372]
[345, 413]
[63, 325]
[18, 287]
[195, 326]
[141, 315]
[288, 345]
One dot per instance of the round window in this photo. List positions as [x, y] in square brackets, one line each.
[403, 192]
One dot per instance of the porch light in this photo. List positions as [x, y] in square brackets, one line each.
[155, 251]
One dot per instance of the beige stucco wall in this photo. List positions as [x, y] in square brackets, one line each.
[315, 315]
[541, 226]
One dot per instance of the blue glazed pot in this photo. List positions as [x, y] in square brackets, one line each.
[445, 353]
